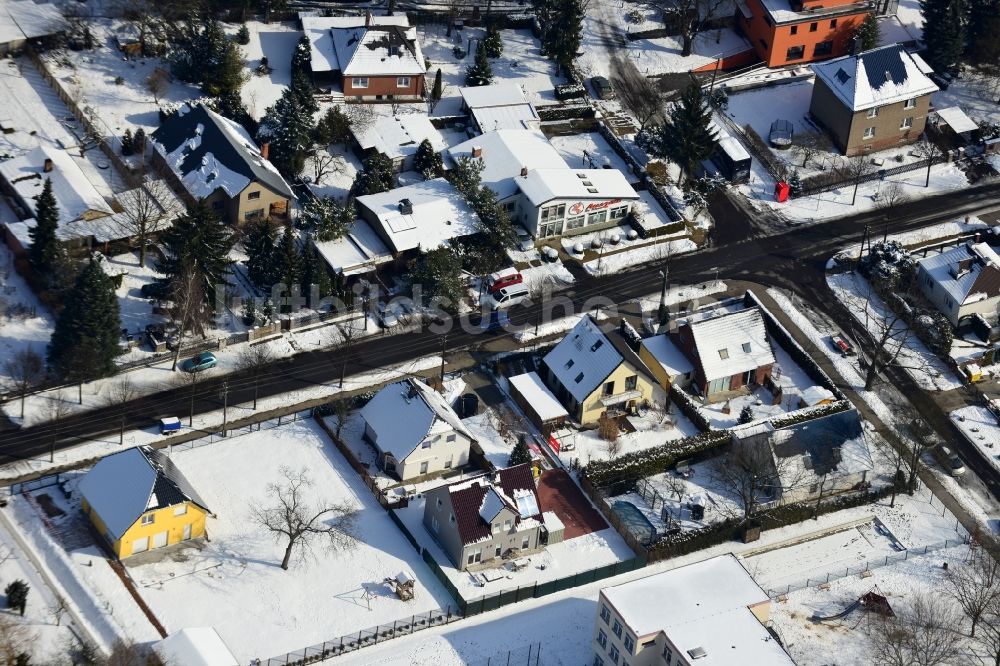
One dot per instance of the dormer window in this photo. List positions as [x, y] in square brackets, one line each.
[597, 345]
[579, 378]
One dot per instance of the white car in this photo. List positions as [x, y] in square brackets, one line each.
[525, 243]
[387, 315]
[507, 296]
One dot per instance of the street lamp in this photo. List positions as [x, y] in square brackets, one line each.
[662, 315]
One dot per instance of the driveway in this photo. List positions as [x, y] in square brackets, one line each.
[559, 494]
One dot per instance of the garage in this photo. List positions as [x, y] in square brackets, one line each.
[140, 545]
[160, 540]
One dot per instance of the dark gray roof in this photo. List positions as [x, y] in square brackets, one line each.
[820, 439]
[883, 63]
[225, 140]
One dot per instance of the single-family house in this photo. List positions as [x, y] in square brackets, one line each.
[709, 612]
[213, 158]
[138, 500]
[415, 431]
[398, 137]
[492, 516]
[874, 100]
[25, 21]
[728, 351]
[962, 282]
[357, 252]
[499, 106]
[592, 371]
[506, 154]
[666, 361]
[79, 201]
[195, 646]
[815, 458]
[373, 58]
[422, 216]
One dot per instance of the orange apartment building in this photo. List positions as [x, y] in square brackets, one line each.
[787, 32]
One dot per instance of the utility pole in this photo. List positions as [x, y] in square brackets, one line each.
[225, 405]
[444, 346]
[864, 236]
[121, 432]
[662, 315]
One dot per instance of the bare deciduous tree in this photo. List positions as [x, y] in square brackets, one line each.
[638, 94]
[975, 585]
[922, 635]
[58, 608]
[689, 17]
[122, 391]
[24, 370]
[16, 638]
[928, 150]
[809, 144]
[253, 359]
[324, 164]
[188, 307]
[889, 335]
[890, 196]
[752, 473]
[157, 83]
[146, 211]
[296, 521]
[58, 407]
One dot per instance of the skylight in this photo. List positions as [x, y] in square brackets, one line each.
[569, 364]
[579, 378]
[597, 345]
[746, 347]
[723, 354]
[527, 506]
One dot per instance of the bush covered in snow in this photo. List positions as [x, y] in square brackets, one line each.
[888, 265]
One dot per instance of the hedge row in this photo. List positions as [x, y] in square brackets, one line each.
[810, 413]
[625, 470]
[689, 408]
[581, 111]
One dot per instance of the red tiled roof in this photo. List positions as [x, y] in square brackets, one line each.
[467, 500]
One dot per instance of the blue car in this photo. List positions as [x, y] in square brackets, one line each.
[202, 361]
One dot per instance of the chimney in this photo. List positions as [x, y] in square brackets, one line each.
[265, 149]
[977, 237]
[47, 167]
[368, 19]
[524, 171]
[405, 207]
[477, 151]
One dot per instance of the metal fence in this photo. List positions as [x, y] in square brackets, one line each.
[901, 556]
[876, 174]
[526, 655]
[212, 437]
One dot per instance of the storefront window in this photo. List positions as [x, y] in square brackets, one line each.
[575, 222]
[597, 217]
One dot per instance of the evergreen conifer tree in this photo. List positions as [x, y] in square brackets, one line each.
[687, 137]
[287, 268]
[302, 57]
[868, 33]
[243, 35]
[427, 161]
[944, 33]
[128, 143]
[327, 218]
[314, 274]
[286, 127]
[17, 595]
[46, 253]
[480, 73]
[259, 246]
[984, 33]
[492, 41]
[139, 141]
[438, 88]
[377, 175]
[746, 415]
[521, 454]
[334, 127]
[197, 241]
[84, 343]
[562, 22]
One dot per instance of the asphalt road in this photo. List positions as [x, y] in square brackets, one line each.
[794, 259]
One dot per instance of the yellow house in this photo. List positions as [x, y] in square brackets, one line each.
[592, 371]
[666, 361]
[138, 500]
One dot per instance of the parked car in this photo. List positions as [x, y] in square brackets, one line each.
[525, 243]
[950, 460]
[603, 87]
[503, 278]
[506, 297]
[387, 315]
[841, 344]
[202, 361]
[153, 290]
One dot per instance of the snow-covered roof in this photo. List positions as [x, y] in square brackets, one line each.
[74, 193]
[668, 355]
[364, 45]
[326, 33]
[814, 395]
[439, 214]
[732, 343]
[542, 185]
[967, 273]
[552, 522]
[957, 120]
[477, 501]
[499, 106]
[405, 413]
[195, 646]
[497, 94]
[505, 152]
[781, 10]
[123, 486]
[208, 152]
[885, 75]
[399, 136]
[359, 251]
[538, 395]
[24, 19]
[733, 148]
[700, 613]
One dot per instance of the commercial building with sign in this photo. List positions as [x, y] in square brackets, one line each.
[562, 202]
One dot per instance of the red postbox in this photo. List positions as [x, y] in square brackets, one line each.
[781, 191]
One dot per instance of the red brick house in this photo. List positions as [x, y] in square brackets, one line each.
[786, 32]
[727, 351]
[371, 58]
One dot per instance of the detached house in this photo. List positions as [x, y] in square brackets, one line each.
[415, 431]
[728, 351]
[963, 282]
[138, 500]
[874, 100]
[592, 371]
[487, 517]
[373, 58]
[788, 32]
[213, 158]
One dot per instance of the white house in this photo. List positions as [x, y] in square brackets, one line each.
[421, 216]
[962, 282]
[499, 106]
[506, 154]
[710, 612]
[415, 430]
[398, 137]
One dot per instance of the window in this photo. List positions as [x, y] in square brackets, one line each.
[579, 378]
[253, 195]
[618, 213]
[910, 103]
[629, 643]
[439, 502]
[180, 510]
[631, 382]
[575, 222]
[423, 467]
[598, 217]
[723, 354]
[148, 519]
[553, 212]
[873, 112]
[598, 661]
[451, 518]
[496, 551]
[506, 525]
[360, 82]
[833, 23]
[569, 364]
[813, 27]
[614, 654]
[475, 556]
[667, 654]
[795, 29]
[869, 133]
[495, 527]
[402, 82]
[602, 638]
[605, 614]
[795, 52]
[823, 49]
[254, 214]
[435, 525]
[426, 444]
[451, 438]
[609, 388]
[746, 347]
[907, 123]
[617, 628]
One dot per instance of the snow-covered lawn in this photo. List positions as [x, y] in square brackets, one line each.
[276, 41]
[486, 428]
[974, 93]
[924, 367]
[591, 151]
[560, 560]
[521, 63]
[614, 260]
[337, 183]
[548, 274]
[980, 427]
[24, 322]
[935, 232]
[321, 596]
